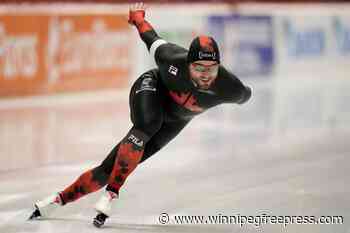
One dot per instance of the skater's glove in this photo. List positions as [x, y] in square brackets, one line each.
[137, 13]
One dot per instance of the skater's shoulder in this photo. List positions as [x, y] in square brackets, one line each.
[171, 53]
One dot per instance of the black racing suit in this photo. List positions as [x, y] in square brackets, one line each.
[170, 97]
[162, 102]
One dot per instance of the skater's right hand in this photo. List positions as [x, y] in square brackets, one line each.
[137, 13]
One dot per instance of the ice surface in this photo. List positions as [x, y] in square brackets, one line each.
[207, 170]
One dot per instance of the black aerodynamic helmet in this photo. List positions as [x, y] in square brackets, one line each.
[203, 48]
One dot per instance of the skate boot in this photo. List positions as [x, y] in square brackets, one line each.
[46, 206]
[104, 208]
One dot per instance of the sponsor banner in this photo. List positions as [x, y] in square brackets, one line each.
[311, 37]
[246, 42]
[304, 37]
[88, 52]
[42, 54]
[312, 45]
[341, 33]
[22, 40]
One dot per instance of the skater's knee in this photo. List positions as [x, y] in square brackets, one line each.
[149, 126]
[151, 149]
[101, 173]
[139, 136]
[107, 165]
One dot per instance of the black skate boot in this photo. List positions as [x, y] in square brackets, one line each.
[36, 214]
[99, 220]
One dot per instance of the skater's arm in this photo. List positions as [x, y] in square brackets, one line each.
[145, 29]
[245, 95]
[162, 51]
[233, 89]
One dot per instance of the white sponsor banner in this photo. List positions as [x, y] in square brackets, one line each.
[18, 55]
[302, 45]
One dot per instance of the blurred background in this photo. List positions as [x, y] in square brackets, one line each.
[66, 68]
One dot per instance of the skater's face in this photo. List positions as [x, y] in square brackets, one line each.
[204, 73]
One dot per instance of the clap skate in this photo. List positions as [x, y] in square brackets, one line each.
[104, 208]
[46, 206]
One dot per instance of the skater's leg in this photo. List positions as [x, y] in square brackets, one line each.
[96, 178]
[88, 182]
[147, 117]
[146, 114]
[167, 132]
[163, 136]
[91, 180]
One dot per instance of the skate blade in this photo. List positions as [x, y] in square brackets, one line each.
[98, 223]
[35, 215]
[99, 220]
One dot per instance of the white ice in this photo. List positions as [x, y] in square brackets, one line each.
[216, 166]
